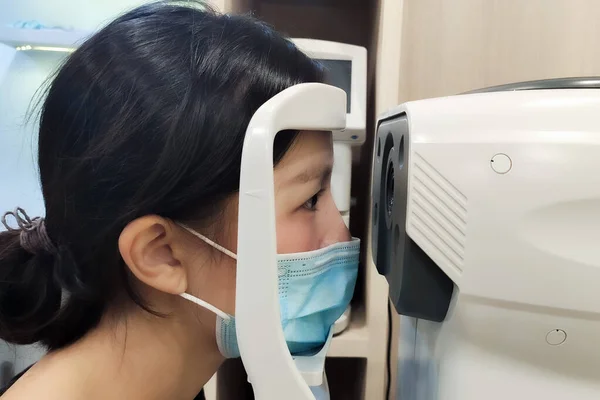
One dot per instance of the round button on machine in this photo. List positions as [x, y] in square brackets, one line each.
[501, 163]
[556, 337]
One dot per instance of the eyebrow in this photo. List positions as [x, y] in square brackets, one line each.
[321, 173]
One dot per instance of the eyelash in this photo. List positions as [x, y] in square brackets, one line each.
[315, 200]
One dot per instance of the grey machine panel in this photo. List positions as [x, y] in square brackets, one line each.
[418, 287]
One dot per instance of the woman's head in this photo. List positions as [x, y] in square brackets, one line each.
[143, 126]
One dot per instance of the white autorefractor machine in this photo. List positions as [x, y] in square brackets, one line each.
[346, 68]
[486, 224]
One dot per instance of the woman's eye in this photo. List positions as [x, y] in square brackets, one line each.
[311, 204]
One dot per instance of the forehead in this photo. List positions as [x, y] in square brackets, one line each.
[311, 149]
[309, 146]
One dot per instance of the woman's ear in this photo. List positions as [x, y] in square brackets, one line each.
[146, 245]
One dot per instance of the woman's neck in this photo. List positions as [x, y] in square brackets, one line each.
[146, 357]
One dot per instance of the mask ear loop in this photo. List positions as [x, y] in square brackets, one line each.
[210, 242]
[194, 299]
[206, 305]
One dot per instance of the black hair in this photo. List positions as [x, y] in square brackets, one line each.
[147, 116]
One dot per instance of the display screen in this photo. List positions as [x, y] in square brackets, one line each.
[339, 73]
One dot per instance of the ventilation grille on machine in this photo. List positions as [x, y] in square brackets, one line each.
[438, 212]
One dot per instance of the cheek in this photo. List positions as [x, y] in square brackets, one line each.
[296, 234]
[211, 277]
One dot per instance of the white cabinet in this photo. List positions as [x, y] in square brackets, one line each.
[449, 47]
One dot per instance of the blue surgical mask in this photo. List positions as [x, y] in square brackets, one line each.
[315, 288]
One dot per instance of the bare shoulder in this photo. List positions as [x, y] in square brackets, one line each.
[48, 381]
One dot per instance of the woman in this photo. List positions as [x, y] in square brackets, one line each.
[140, 146]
